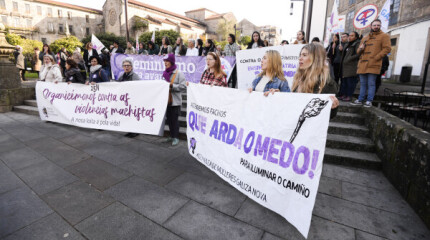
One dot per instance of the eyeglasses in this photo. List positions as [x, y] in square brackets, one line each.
[127, 65]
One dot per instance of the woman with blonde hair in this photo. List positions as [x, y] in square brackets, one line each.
[271, 79]
[313, 74]
[214, 75]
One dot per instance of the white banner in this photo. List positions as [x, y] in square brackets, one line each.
[137, 107]
[269, 148]
[248, 63]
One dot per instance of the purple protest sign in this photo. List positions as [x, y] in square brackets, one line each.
[152, 67]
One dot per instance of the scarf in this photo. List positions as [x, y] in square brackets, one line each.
[95, 68]
[45, 71]
[168, 72]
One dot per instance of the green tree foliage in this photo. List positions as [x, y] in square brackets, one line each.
[171, 34]
[245, 40]
[225, 27]
[70, 43]
[222, 43]
[107, 39]
[27, 45]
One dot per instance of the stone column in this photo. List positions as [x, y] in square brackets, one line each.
[11, 92]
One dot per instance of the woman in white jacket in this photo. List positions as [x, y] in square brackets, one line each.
[50, 71]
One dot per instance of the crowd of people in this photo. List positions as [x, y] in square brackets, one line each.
[320, 70]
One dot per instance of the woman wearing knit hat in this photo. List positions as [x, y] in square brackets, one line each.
[177, 85]
[50, 71]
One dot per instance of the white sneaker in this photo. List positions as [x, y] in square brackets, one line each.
[367, 104]
[356, 102]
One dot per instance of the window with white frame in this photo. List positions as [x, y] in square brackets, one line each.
[15, 6]
[16, 22]
[49, 12]
[2, 4]
[4, 19]
[50, 27]
[29, 23]
[39, 10]
[27, 8]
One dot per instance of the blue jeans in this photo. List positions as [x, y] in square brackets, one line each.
[350, 84]
[367, 83]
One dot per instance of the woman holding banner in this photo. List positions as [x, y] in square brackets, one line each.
[153, 48]
[97, 73]
[209, 47]
[271, 79]
[50, 71]
[165, 46]
[214, 75]
[313, 74]
[73, 73]
[177, 85]
[128, 74]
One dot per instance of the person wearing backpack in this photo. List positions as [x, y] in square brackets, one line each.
[97, 73]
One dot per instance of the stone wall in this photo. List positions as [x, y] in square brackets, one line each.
[405, 154]
[37, 24]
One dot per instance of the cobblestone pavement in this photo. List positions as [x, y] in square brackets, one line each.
[63, 182]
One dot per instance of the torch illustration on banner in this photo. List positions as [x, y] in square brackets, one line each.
[312, 109]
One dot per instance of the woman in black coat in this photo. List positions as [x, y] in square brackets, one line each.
[88, 53]
[73, 73]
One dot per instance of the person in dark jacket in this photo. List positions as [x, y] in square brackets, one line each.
[348, 71]
[116, 48]
[46, 50]
[63, 57]
[73, 73]
[200, 46]
[209, 47]
[128, 74]
[256, 41]
[153, 48]
[97, 73]
[88, 53]
[105, 60]
[179, 49]
[334, 53]
[384, 68]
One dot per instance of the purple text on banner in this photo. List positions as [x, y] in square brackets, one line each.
[152, 67]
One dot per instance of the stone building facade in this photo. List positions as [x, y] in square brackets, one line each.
[270, 33]
[49, 20]
[155, 19]
[409, 29]
[211, 19]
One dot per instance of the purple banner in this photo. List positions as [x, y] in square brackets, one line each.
[152, 67]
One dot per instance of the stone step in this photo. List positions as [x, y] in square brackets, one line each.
[32, 103]
[350, 143]
[348, 129]
[346, 117]
[26, 109]
[352, 158]
[346, 107]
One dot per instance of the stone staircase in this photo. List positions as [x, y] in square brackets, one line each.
[347, 144]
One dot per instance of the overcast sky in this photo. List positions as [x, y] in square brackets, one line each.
[267, 12]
